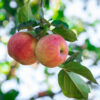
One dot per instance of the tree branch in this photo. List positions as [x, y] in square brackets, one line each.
[41, 13]
[45, 93]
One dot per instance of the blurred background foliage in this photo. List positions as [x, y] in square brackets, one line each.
[88, 43]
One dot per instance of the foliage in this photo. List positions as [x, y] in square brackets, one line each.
[72, 85]
[30, 16]
[10, 95]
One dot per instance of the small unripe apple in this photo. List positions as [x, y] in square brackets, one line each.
[51, 50]
[21, 47]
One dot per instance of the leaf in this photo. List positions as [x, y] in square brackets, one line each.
[25, 14]
[47, 4]
[18, 80]
[57, 23]
[70, 52]
[72, 58]
[13, 31]
[72, 85]
[11, 95]
[46, 22]
[79, 58]
[41, 31]
[65, 33]
[90, 46]
[33, 33]
[79, 69]
[59, 13]
[95, 23]
[46, 71]
[1, 95]
[27, 24]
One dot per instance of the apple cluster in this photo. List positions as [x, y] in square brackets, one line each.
[50, 50]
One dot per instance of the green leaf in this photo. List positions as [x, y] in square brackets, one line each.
[72, 57]
[72, 85]
[11, 95]
[42, 31]
[32, 32]
[13, 31]
[25, 14]
[46, 71]
[65, 33]
[90, 46]
[18, 80]
[59, 13]
[79, 69]
[1, 95]
[47, 4]
[46, 22]
[57, 23]
[27, 24]
[95, 23]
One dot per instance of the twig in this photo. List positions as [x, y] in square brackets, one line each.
[41, 4]
[45, 93]
[41, 13]
[14, 65]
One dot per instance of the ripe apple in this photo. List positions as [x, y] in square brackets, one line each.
[51, 50]
[21, 47]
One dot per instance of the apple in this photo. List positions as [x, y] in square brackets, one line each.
[21, 47]
[51, 50]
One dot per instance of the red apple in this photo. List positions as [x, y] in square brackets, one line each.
[21, 47]
[51, 50]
